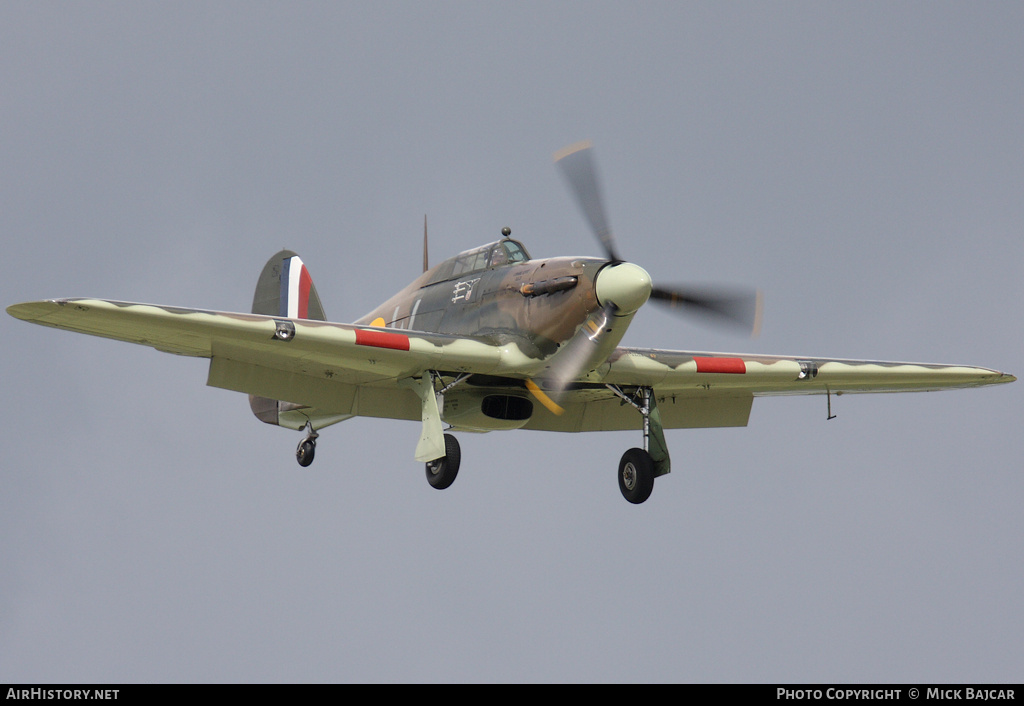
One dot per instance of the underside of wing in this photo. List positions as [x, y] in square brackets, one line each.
[338, 369]
[762, 375]
[592, 408]
[699, 390]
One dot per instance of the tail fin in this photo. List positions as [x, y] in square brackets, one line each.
[284, 289]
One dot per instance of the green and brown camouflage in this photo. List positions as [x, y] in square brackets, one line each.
[497, 293]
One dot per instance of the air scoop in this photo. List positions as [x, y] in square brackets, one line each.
[625, 285]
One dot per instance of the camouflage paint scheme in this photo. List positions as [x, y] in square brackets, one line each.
[478, 339]
[498, 319]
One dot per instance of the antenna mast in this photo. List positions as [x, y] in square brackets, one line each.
[426, 262]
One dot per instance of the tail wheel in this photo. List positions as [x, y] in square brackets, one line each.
[636, 475]
[305, 451]
[441, 472]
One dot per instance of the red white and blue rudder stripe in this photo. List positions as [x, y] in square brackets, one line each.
[296, 285]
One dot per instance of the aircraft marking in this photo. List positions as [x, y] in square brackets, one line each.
[412, 317]
[463, 289]
[380, 339]
[296, 283]
[734, 366]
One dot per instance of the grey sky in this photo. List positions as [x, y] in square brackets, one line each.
[863, 164]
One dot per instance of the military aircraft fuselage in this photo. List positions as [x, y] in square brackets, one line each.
[499, 293]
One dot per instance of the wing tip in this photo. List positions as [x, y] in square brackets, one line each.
[33, 311]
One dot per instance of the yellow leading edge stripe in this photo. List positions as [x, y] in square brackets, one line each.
[543, 398]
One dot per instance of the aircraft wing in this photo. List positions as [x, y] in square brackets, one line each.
[343, 370]
[338, 369]
[699, 390]
[761, 375]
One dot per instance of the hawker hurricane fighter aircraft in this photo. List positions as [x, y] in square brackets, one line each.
[492, 339]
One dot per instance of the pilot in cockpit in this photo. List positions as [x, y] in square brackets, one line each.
[498, 256]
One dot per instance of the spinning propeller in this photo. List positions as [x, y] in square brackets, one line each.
[622, 288]
[733, 306]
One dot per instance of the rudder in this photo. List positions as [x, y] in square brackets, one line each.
[285, 288]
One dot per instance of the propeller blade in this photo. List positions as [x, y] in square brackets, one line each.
[581, 354]
[738, 307]
[578, 168]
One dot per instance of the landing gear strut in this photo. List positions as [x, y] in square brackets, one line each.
[441, 472]
[639, 467]
[306, 449]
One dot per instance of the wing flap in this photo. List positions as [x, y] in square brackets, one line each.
[314, 396]
[608, 413]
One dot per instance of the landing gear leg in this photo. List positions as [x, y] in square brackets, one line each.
[306, 449]
[639, 467]
[441, 472]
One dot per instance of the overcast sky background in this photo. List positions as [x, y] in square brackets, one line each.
[861, 163]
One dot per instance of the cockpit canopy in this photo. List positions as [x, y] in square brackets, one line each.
[500, 254]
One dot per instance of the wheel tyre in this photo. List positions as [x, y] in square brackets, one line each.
[441, 472]
[305, 452]
[636, 475]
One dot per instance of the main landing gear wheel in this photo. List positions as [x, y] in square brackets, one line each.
[305, 451]
[636, 475]
[441, 472]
